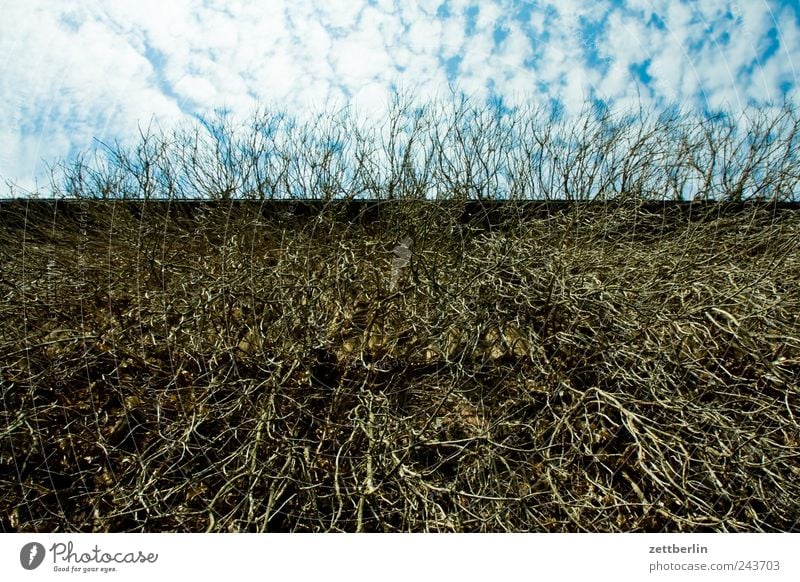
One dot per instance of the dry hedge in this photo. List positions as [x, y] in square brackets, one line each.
[215, 367]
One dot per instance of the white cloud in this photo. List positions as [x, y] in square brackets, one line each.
[372, 98]
[537, 22]
[341, 14]
[67, 83]
[196, 89]
[453, 34]
[423, 35]
[488, 16]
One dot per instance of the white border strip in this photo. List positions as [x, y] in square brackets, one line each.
[411, 557]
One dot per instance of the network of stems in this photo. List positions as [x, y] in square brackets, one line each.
[454, 149]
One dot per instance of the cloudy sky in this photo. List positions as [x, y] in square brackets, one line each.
[75, 70]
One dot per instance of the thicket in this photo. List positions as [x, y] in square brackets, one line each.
[450, 356]
[454, 150]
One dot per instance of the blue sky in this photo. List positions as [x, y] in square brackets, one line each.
[75, 70]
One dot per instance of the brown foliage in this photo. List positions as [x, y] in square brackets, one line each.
[212, 368]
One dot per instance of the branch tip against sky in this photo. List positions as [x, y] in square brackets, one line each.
[75, 70]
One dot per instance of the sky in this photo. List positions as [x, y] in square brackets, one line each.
[76, 71]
